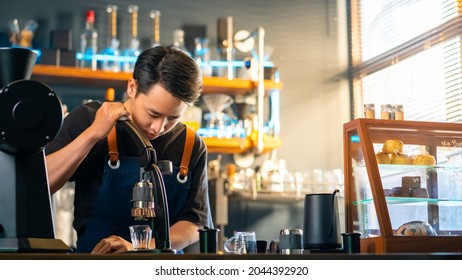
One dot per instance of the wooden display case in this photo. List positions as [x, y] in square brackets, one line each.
[379, 198]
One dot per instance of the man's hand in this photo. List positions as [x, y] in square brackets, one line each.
[106, 117]
[112, 244]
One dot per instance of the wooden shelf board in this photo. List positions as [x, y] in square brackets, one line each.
[83, 76]
[239, 145]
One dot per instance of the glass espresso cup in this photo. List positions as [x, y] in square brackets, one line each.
[141, 237]
[243, 242]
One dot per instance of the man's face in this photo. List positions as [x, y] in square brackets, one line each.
[155, 112]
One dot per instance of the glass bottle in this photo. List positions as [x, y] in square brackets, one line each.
[226, 50]
[178, 40]
[89, 42]
[386, 112]
[369, 111]
[112, 52]
[155, 18]
[131, 53]
[22, 32]
[202, 56]
[398, 112]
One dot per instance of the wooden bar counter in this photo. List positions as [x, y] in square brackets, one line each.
[306, 256]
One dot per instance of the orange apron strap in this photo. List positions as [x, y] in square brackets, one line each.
[113, 151]
[187, 151]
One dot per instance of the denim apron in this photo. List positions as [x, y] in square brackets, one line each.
[112, 210]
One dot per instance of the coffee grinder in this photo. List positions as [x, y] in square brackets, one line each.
[30, 117]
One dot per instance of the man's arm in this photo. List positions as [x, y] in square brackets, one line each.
[63, 163]
[183, 233]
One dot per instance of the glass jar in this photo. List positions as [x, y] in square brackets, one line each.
[369, 111]
[202, 55]
[398, 112]
[386, 112]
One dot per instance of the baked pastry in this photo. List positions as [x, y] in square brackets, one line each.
[383, 158]
[424, 160]
[393, 146]
[416, 228]
[420, 192]
[400, 192]
[410, 182]
[387, 192]
[400, 159]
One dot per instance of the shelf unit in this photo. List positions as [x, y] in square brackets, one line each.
[72, 75]
[55, 75]
[377, 213]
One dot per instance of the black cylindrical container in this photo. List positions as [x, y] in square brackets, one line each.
[351, 242]
[321, 227]
[208, 240]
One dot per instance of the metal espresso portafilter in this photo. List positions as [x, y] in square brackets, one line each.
[143, 201]
[143, 193]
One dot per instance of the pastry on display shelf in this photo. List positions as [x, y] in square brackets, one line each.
[383, 158]
[416, 228]
[419, 192]
[393, 146]
[392, 153]
[424, 160]
[400, 192]
[401, 159]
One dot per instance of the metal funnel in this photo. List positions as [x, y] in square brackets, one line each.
[16, 64]
[217, 102]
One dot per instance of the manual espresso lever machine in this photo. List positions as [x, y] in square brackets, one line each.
[149, 196]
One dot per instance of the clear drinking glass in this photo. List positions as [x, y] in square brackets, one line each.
[141, 236]
[243, 242]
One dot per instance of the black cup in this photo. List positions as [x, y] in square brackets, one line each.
[208, 240]
[351, 242]
[262, 246]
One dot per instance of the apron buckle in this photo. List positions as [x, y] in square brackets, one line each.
[182, 175]
[113, 164]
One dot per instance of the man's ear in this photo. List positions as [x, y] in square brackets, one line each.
[132, 87]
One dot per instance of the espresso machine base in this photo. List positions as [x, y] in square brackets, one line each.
[33, 245]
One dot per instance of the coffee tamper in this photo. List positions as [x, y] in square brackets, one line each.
[291, 241]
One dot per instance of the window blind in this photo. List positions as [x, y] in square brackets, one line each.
[407, 52]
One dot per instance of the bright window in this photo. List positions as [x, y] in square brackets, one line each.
[409, 53]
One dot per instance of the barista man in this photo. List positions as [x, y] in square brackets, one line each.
[165, 82]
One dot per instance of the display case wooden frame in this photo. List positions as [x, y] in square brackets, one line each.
[360, 136]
